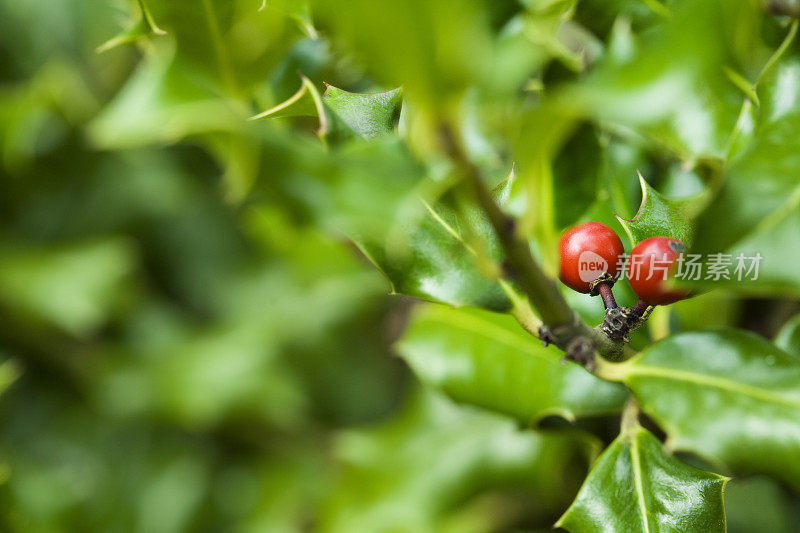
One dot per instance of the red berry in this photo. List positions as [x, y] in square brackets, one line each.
[588, 251]
[650, 267]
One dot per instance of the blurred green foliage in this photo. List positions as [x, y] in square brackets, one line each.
[199, 340]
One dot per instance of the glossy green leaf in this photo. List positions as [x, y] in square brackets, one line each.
[366, 190]
[670, 85]
[726, 395]
[369, 115]
[437, 260]
[635, 486]
[425, 470]
[757, 209]
[448, 254]
[662, 216]
[488, 360]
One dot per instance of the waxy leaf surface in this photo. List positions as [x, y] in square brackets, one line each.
[635, 486]
[366, 115]
[757, 210]
[488, 360]
[369, 115]
[437, 263]
[430, 462]
[659, 216]
[726, 395]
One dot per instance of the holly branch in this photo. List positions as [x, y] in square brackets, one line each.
[560, 324]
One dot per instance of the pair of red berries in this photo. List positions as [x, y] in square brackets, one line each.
[590, 250]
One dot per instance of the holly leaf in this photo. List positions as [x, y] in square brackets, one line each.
[487, 359]
[162, 102]
[449, 255]
[428, 465]
[368, 191]
[144, 27]
[367, 115]
[670, 86]
[199, 80]
[757, 209]
[306, 102]
[438, 263]
[728, 396]
[663, 217]
[635, 486]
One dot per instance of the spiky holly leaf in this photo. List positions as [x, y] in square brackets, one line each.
[435, 261]
[434, 459]
[662, 216]
[487, 359]
[757, 209]
[635, 486]
[144, 27]
[306, 102]
[447, 255]
[369, 115]
[366, 115]
[726, 395]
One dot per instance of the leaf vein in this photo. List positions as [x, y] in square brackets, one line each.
[637, 480]
[714, 382]
[490, 331]
[447, 227]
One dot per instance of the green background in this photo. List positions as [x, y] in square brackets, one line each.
[196, 338]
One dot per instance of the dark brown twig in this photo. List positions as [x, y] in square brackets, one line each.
[562, 327]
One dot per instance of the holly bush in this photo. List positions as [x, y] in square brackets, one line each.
[221, 219]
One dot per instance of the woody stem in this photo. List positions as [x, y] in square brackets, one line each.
[640, 308]
[607, 295]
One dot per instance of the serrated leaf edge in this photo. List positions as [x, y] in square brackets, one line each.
[481, 327]
[623, 372]
[624, 221]
[631, 431]
[306, 86]
[144, 26]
